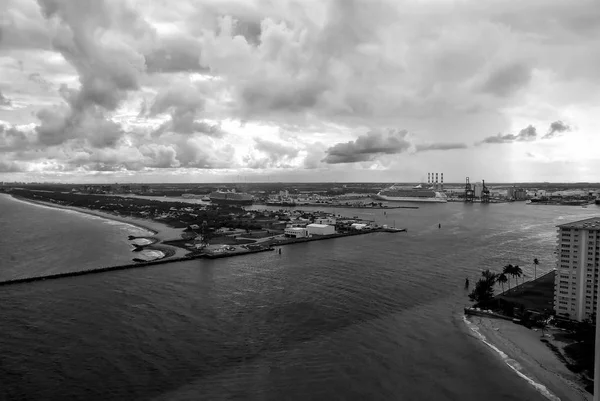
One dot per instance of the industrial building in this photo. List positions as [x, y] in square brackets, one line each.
[516, 193]
[577, 268]
[296, 232]
[320, 229]
[325, 220]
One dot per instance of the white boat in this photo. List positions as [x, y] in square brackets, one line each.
[417, 193]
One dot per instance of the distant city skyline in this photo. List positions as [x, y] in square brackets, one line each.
[105, 91]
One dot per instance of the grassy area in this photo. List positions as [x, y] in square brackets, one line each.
[537, 295]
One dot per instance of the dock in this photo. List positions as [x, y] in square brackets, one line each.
[192, 256]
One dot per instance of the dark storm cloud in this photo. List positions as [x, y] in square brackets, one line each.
[525, 135]
[368, 147]
[555, 129]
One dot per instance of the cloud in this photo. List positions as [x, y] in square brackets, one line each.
[368, 147]
[38, 79]
[440, 146]
[214, 75]
[556, 128]
[9, 167]
[12, 139]
[508, 79]
[315, 153]
[185, 103]
[272, 154]
[175, 53]
[4, 101]
[526, 134]
[98, 40]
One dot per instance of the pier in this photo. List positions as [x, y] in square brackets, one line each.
[192, 256]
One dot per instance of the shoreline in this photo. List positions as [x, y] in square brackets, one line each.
[159, 231]
[522, 350]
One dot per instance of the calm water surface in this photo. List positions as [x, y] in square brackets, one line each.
[36, 240]
[371, 317]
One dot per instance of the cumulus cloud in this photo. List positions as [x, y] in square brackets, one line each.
[271, 154]
[13, 139]
[556, 128]
[75, 72]
[440, 146]
[175, 53]
[368, 147]
[184, 102]
[4, 101]
[98, 40]
[526, 134]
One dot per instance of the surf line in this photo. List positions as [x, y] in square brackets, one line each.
[511, 363]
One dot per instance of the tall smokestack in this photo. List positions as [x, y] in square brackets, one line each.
[428, 177]
[436, 178]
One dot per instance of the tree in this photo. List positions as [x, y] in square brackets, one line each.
[484, 288]
[517, 272]
[508, 271]
[502, 278]
[536, 262]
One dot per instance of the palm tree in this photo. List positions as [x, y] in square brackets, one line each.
[502, 278]
[536, 262]
[517, 272]
[508, 271]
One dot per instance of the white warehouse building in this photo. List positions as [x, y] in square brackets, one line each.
[320, 229]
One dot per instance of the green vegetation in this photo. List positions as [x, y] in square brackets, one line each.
[484, 288]
[174, 214]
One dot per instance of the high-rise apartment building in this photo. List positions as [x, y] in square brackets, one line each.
[577, 268]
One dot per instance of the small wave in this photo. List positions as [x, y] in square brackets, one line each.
[511, 363]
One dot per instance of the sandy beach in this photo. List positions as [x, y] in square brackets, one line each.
[529, 357]
[161, 232]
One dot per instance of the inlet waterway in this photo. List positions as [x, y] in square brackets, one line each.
[374, 317]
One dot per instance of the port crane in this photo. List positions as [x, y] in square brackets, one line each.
[469, 192]
[485, 193]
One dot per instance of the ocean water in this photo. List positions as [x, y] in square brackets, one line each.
[375, 317]
[37, 240]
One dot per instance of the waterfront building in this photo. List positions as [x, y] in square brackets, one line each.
[478, 188]
[516, 193]
[320, 229]
[577, 268]
[296, 232]
[325, 220]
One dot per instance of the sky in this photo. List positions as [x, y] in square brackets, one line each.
[277, 90]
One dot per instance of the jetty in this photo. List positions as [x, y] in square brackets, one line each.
[263, 247]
